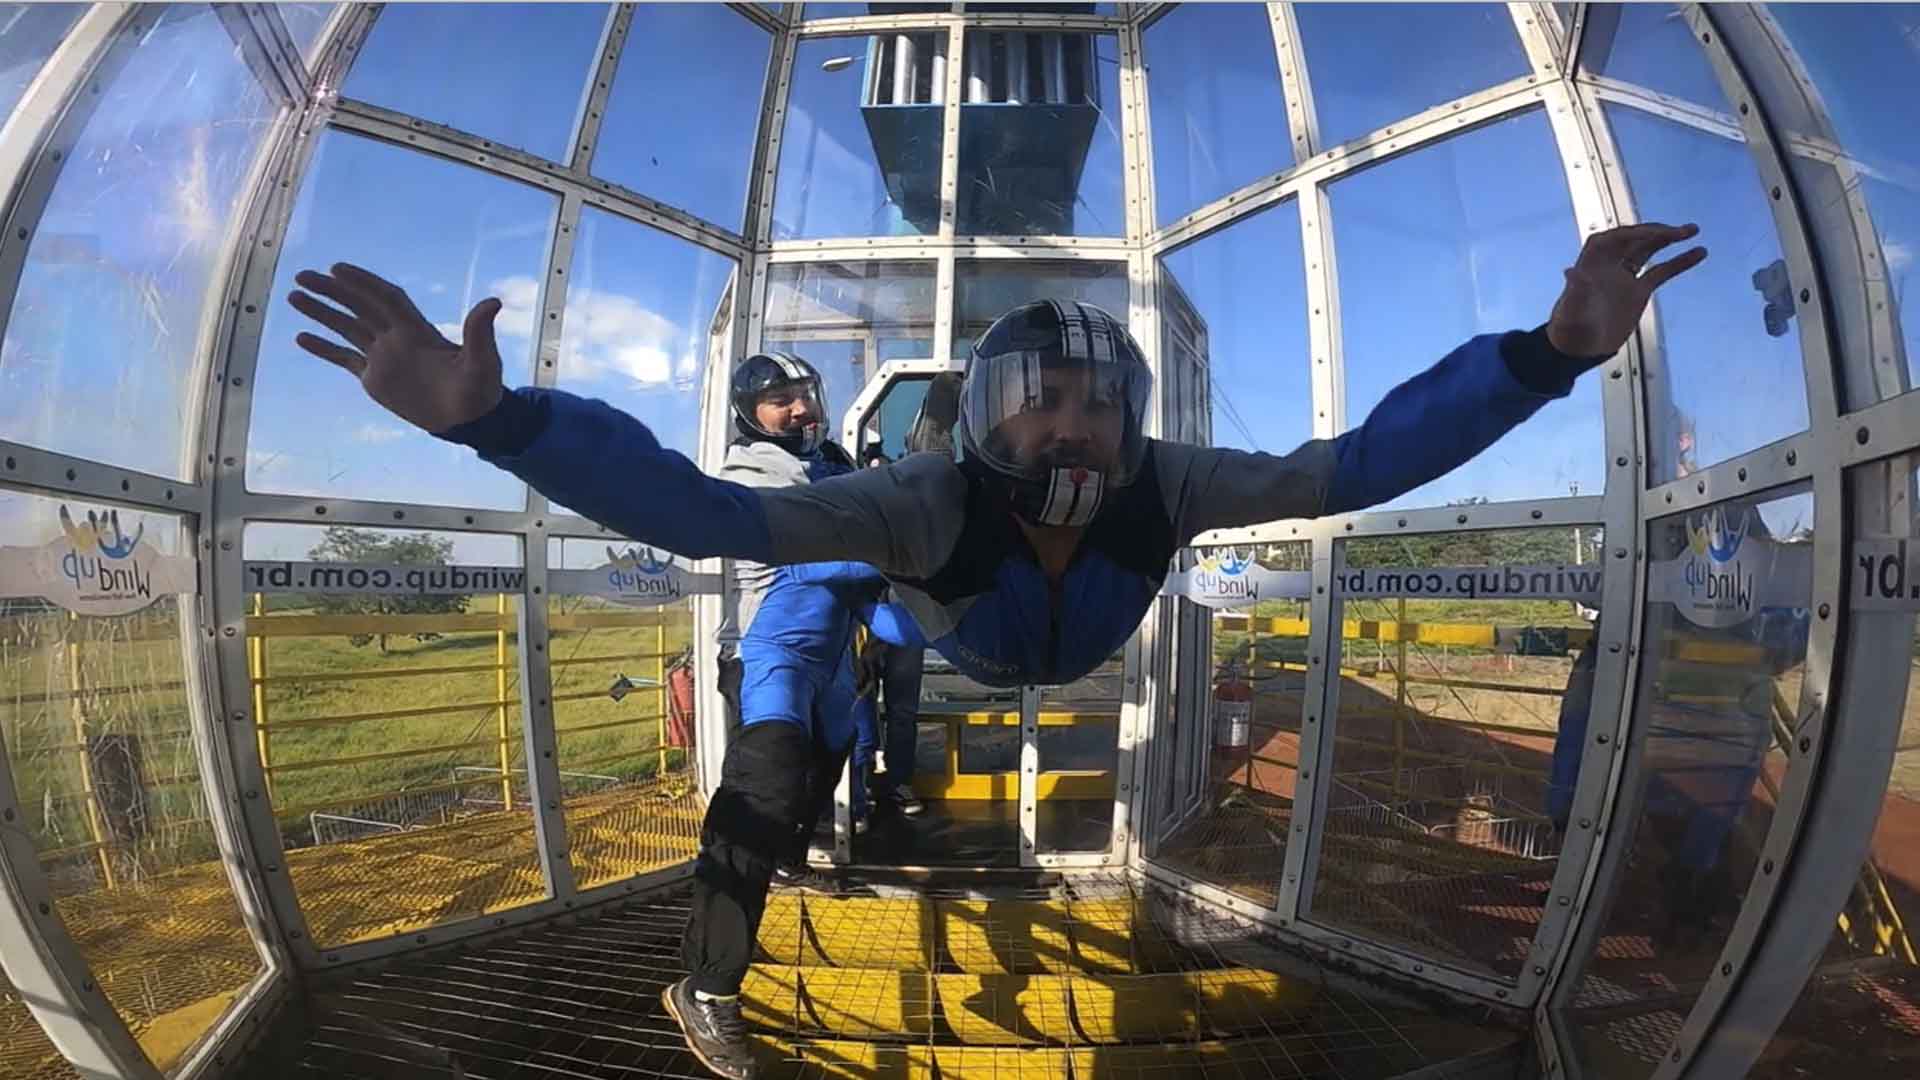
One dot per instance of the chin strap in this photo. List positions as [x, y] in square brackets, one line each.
[1072, 497]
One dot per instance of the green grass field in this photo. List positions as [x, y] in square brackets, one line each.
[323, 700]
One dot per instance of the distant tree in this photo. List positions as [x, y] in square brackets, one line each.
[344, 544]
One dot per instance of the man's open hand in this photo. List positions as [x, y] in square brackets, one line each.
[1608, 287]
[400, 359]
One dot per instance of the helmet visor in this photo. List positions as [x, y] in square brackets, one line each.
[1031, 412]
[792, 409]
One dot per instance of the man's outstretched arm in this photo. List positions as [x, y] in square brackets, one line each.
[1443, 417]
[606, 465]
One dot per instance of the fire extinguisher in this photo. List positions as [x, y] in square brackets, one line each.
[680, 701]
[1232, 707]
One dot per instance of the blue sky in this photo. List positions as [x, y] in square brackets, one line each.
[1462, 238]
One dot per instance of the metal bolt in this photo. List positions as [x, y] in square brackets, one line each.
[87, 985]
[1619, 553]
[1462, 519]
[1501, 994]
[1793, 457]
[7, 814]
[228, 631]
[294, 935]
[1806, 743]
[1806, 296]
[1538, 514]
[1767, 867]
[1614, 374]
[1743, 476]
[272, 868]
[226, 545]
[1614, 648]
[1861, 436]
[1601, 739]
[1564, 901]
[1403, 523]
[1586, 823]
[1825, 610]
[1621, 461]
[1418, 968]
[45, 908]
[420, 940]
[1726, 969]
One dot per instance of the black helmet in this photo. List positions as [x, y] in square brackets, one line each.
[1053, 409]
[763, 372]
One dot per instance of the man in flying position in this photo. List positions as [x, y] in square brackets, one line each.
[1031, 554]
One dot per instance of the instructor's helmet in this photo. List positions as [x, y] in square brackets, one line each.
[1052, 409]
[794, 381]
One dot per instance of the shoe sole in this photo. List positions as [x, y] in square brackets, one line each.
[666, 998]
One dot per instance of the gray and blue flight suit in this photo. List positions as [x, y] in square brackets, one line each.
[945, 539]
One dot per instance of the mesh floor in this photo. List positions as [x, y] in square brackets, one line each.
[1085, 980]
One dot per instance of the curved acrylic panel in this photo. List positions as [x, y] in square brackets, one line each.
[388, 723]
[108, 333]
[625, 749]
[1650, 45]
[639, 324]
[1858, 57]
[28, 35]
[1452, 241]
[305, 23]
[1727, 377]
[1720, 686]
[1039, 134]
[1227, 753]
[99, 731]
[1213, 90]
[513, 73]
[451, 237]
[1451, 780]
[847, 319]
[696, 158]
[851, 162]
[1856, 1013]
[984, 290]
[1373, 64]
[1233, 307]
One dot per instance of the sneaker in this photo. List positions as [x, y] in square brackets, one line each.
[714, 1029]
[802, 878]
[939, 413]
[905, 802]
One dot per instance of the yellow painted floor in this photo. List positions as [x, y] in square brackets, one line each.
[166, 952]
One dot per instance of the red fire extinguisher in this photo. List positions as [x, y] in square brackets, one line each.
[680, 701]
[1232, 707]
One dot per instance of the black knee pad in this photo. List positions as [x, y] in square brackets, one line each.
[763, 790]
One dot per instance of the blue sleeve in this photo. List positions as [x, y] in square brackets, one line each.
[892, 624]
[836, 573]
[1443, 417]
[606, 466]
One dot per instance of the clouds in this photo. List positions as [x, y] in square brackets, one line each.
[607, 336]
[377, 433]
[1899, 256]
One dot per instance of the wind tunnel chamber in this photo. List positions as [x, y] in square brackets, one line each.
[328, 749]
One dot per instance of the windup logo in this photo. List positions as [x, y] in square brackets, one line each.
[638, 574]
[1224, 577]
[95, 568]
[1719, 581]
[99, 561]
